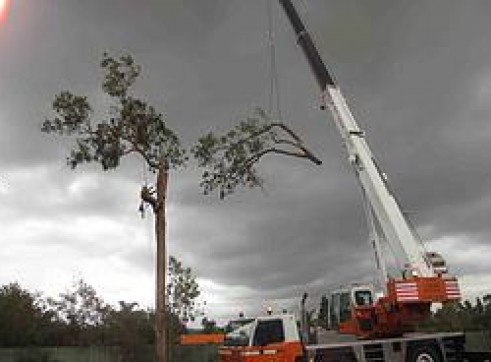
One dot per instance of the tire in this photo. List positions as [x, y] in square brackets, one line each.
[424, 354]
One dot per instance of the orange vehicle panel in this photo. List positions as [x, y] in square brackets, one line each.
[428, 289]
[278, 352]
[193, 339]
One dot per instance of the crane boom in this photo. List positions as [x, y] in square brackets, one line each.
[407, 298]
[393, 223]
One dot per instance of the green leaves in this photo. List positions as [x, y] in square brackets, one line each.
[229, 160]
[463, 316]
[120, 74]
[73, 114]
[22, 318]
[182, 290]
[132, 126]
[81, 307]
[145, 131]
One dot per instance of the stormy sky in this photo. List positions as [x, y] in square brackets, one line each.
[417, 76]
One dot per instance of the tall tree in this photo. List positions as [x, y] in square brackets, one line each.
[130, 127]
[133, 127]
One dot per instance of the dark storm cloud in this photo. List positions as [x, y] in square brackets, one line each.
[56, 46]
[294, 231]
[418, 79]
[410, 94]
[438, 166]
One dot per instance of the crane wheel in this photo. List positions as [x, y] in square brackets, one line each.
[425, 353]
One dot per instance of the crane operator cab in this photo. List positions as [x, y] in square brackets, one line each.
[347, 304]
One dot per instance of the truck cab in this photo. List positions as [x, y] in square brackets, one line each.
[267, 338]
[275, 338]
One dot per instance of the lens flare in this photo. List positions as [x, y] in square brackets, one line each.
[4, 5]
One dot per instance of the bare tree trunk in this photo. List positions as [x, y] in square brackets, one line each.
[160, 233]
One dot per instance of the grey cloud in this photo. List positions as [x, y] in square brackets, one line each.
[415, 75]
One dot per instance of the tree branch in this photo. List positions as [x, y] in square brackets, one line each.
[305, 151]
[309, 155]
[251, 136]
[248, 163]
[288, 130]
[298, 144]
[135, 148]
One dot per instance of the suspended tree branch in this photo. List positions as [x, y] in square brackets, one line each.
[229, 160]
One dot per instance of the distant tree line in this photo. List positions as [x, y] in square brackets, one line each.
[79, 317]
[463, 316]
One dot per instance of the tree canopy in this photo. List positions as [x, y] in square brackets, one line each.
[130, 126]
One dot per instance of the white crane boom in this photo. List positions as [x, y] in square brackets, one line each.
[394, 225]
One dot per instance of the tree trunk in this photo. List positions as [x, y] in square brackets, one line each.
[160, 234]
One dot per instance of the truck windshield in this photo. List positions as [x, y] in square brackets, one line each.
[239, 337]
[269, 331]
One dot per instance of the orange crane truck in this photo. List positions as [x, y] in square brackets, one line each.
[276, 338]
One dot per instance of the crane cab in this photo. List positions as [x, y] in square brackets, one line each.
[346, 304]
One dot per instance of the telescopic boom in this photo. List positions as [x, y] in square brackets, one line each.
[396, 229]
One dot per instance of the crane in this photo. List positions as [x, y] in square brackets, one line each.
[424, 279]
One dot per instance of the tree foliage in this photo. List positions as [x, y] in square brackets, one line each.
[463, 316]
[130, 328]
[23, 320]
[131, 125]
[182, 291]
[80, 306]
[230, 160]
[209, 326]
[80, 317]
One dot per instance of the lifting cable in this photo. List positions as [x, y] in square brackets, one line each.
[274, 97]
[274, 93]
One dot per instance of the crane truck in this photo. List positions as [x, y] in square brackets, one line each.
[361, 326]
